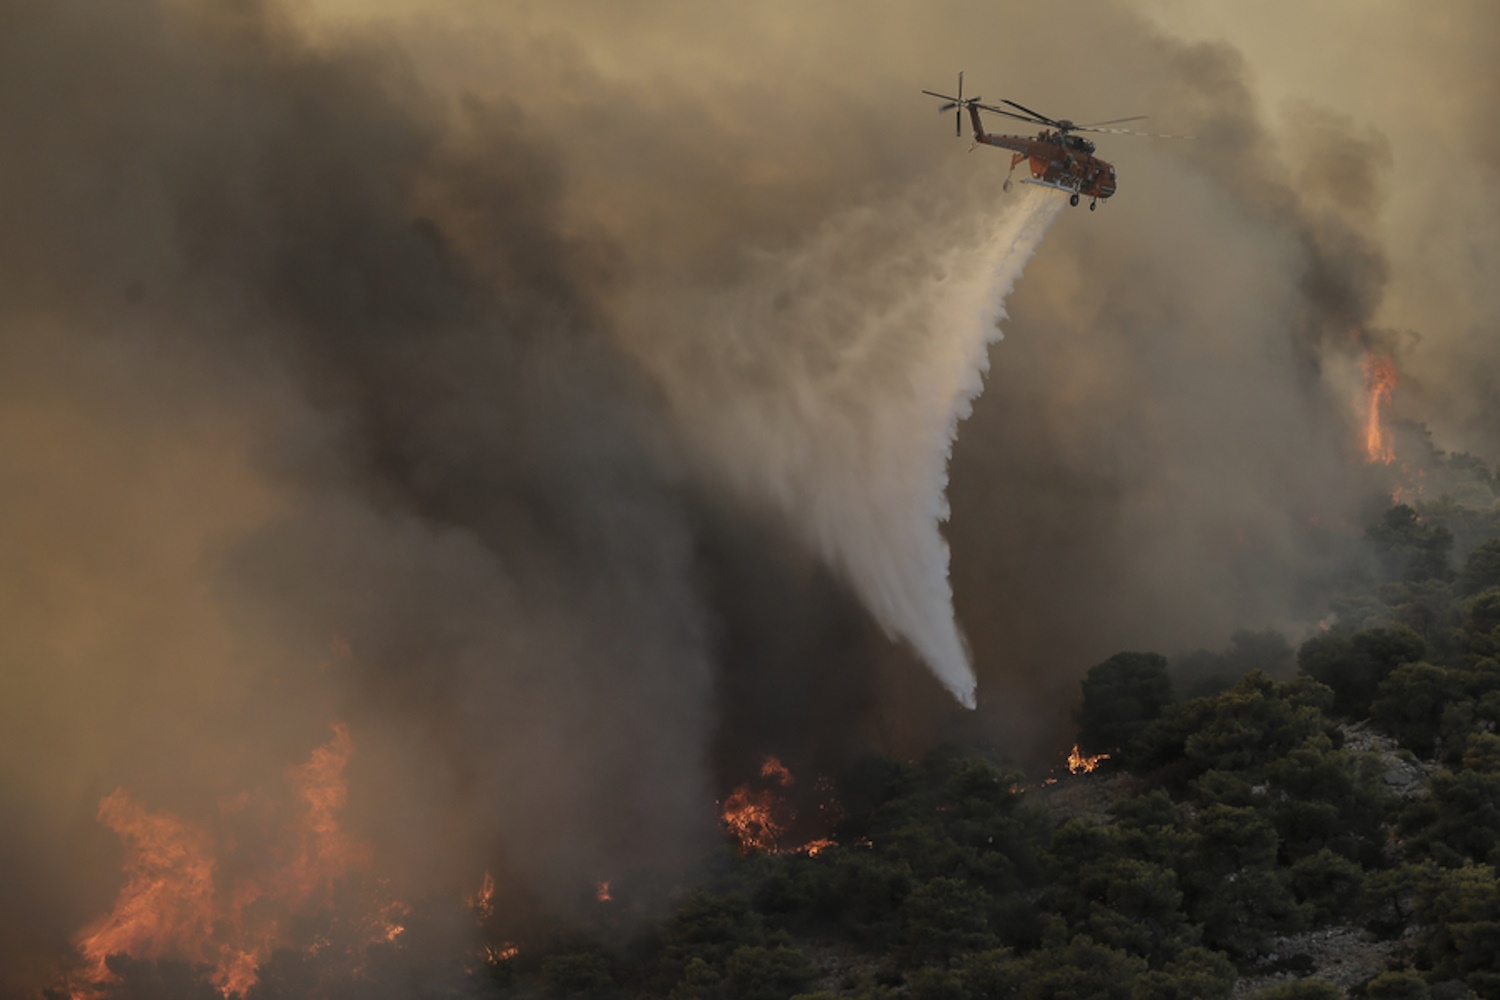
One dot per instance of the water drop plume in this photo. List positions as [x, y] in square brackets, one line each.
[829, 381]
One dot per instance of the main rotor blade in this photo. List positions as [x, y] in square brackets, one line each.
[948, 107]
[1012, 114]
[1126, 131]
[1114, 121]
[933, 93]
[960, 86]
[1035, 114]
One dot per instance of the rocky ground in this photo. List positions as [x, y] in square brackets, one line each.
[1085, 796]
[1343, 956]
[1402, 772]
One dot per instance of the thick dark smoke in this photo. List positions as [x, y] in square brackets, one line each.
[433, 371]
[261, 407]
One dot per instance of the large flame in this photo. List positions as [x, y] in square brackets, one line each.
[167, 905]
[759, 820]
[325, 852]
[175, 904]
[1380, 382]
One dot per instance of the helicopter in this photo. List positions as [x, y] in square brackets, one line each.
[1059, 158]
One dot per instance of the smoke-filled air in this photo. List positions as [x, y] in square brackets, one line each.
[447, 449]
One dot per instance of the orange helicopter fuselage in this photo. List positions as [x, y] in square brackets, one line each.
[1056, 160]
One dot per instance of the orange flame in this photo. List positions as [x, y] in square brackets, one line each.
[752, 820]
[773, 768]
[387, 929]
[1080, 763]
[167, 904]
[1380, 382]
[759, 819]
[173, 906]
[601, 892]
[325, 853]
[815, 847]
[483, 901]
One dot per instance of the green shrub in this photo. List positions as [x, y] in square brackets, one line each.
[1397, 986]
[1120, 697]
[1303, 989]
[754, 973]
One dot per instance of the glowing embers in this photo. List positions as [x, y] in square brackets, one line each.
[503, 952]
[180, 902]
[1080, 763]
[483, 905]
[483, 901]
[1380, 381]
[762, 819]
[774, 769]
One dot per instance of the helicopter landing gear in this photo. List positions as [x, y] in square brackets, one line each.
[1073, 200]
[1093, 205]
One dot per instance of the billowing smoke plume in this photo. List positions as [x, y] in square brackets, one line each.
[286, 451]
[544, 392]
[830, 382]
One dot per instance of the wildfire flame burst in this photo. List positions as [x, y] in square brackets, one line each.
[1380, 381]
[1081, 763]
[756, 819]
[759, 819]
[483, 901]
[176, 903]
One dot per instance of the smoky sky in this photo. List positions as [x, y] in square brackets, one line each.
[368, 364]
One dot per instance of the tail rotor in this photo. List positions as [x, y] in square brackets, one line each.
[955, 104]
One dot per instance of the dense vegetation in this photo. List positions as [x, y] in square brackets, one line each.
[1251, 795]
[1244, 812]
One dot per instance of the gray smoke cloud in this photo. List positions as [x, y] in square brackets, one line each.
[503, 382]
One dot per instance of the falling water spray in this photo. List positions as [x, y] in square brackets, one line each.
[830, 382]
